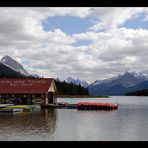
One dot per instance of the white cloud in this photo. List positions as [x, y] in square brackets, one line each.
[72, 11]
[111, 18]
[145, 18]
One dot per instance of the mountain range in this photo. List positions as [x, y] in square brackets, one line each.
[120, 85]
[77, 82]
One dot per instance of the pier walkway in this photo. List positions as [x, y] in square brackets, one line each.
[4, 105]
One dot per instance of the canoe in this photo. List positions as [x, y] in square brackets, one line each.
[27, 107]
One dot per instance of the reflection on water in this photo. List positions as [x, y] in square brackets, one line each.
[28, 125]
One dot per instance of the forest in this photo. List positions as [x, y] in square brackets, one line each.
[143, 92]
[70, 89]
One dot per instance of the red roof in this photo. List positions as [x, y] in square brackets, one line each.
[25, 85]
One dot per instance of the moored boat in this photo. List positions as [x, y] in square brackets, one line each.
[24, 107]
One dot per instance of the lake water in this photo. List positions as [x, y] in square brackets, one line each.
[128, 123]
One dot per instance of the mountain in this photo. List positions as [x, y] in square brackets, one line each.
[8, 61]
[103, 81]
[6, 71]
[16, 66]
[119, 85]
[140, 86]
[77, 82]
[127, 80]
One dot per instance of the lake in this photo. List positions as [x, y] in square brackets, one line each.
[128, 123]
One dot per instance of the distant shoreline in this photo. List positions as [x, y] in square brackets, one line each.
[80, 96]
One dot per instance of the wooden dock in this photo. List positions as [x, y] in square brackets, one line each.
[60, 106]
[4, 105]
[10, 110]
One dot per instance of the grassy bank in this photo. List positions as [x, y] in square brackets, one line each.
[80, 96]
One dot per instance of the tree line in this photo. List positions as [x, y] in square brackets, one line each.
[143, 92]
[70, 89]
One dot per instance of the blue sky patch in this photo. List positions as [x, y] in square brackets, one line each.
[25, 62]
[68, 24]
[136, 23]
[81, 43]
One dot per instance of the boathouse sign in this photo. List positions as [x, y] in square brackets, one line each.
[26, 82]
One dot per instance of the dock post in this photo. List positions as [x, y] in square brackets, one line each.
[46, 98]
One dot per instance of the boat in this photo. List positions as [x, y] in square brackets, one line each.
[24, 107]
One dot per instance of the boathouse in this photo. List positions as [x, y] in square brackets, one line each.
[28, 90]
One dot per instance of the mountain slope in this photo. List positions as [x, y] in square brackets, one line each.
[119, 85]
[16, 66]
[5, 71]
[140, 86]
[8, 61]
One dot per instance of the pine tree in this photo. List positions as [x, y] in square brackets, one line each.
[70, 89]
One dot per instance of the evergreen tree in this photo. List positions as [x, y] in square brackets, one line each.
[70, 89]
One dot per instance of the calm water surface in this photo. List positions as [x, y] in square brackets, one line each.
[129, 122]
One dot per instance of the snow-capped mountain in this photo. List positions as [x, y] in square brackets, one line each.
[16, 66]
[11, 63]
[141, 75]
[104, 81]
[77, 82]
[7, 72]
[118, 85]
[127, 76]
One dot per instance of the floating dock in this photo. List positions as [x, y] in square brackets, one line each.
[60, 106]
[83, 106]
[4, 105]
[96, 106]
[9, 110]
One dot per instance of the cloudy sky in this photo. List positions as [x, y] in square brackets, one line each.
[86, 43]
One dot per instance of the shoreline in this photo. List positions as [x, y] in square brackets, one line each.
[80, 96]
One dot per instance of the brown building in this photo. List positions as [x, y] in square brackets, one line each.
[27, 90]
